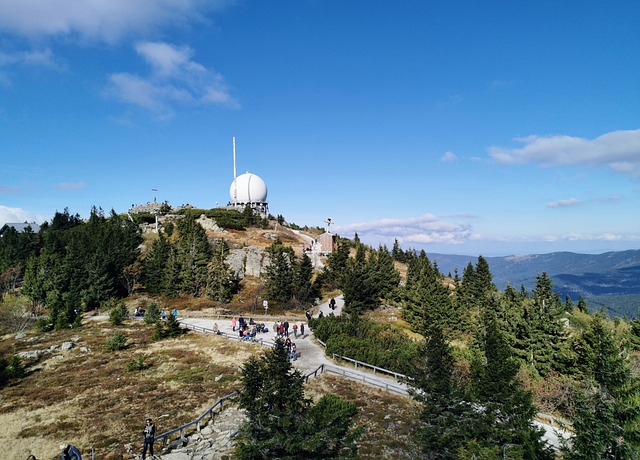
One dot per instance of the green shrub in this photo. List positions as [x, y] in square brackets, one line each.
[118, 341]
[44, 324]
[137, 364]
[170, 328]
[118, 313]
[152, 314]
[363, 340]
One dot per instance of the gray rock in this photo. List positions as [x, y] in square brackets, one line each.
[218, 377]
[54, 347]
[31, 354]
[20, 335]
[248, 261]
[68, 345]
[84, 349]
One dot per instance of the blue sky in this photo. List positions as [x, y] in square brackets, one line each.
[468, 127]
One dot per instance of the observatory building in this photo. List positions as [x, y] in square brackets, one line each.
[249, 190]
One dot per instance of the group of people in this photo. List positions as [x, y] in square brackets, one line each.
[281, 329]
[292, 350]
[247, 330]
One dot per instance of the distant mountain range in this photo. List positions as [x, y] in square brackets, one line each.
[610, 280]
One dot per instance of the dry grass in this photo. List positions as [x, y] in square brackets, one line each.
[388, 420]
[91, 400]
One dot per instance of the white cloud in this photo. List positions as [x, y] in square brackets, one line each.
[448, 157]
[174, 79]
[563, 203]
[17, 215]
[424, 229]
[100, 20]
[618, 150]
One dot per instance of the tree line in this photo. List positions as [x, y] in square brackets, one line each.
[490, 360]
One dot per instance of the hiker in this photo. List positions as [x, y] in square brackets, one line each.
[295, 330]
[163, 315]
[286, 327]
[216, 330]
[70, 452]
[233, 323]
[302, 330]
[308, 315]
[149, 433]
[332, 303]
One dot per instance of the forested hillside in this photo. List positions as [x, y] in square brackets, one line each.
[483, 362]
[610, 280]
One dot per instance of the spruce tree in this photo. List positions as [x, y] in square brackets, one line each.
[506, 410]
[279, 275]
[282, 423]
[606, 422]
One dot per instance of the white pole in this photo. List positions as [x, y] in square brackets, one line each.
[235, 184]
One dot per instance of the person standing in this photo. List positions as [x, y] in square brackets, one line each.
[302, 330]
[70, 452]
[233, 323]
[149, 433]
[295, 330]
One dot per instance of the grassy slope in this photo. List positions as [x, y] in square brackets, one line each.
[91, 400]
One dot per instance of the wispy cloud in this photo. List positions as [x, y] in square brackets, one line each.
[448, 157]
[424, 229]
[618, 150]
[71, 186]
[563, 203]
[8, 189]
[175, 79]
[15, 215]
[105, 21]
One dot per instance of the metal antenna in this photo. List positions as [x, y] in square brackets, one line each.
[154, 190]
[235, 183]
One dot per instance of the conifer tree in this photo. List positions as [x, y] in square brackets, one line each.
[193, 256]
[446, 418]
[282, 423]
[279, 275]
[358, 284]
[507, 411]
[607, 406]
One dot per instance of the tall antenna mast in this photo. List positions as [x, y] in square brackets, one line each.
[235, 183]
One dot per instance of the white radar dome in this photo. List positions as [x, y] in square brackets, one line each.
[248, 188]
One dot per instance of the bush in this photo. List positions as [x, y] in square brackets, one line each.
[118, 341]
[152, 314]
[44, 324]
[362, 340]
[171, 328]
[118, 313]
[137, 364]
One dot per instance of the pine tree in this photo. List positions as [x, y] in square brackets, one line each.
[282, 423]
[193, 255]
[507, 410]
[607, 406]
[358, 284]
[304, 291]
[279, 275]
[446, 417]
